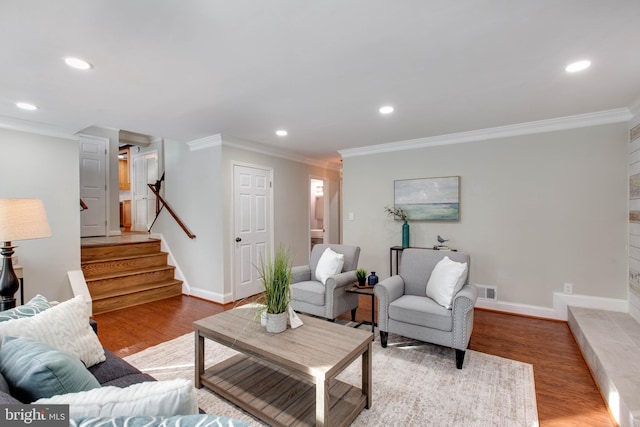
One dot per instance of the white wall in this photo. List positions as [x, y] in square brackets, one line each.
[192, 187]
[536, 211]
[290, 199]
[43, 167]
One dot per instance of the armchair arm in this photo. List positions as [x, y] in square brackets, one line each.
[335, 290]
[300, 273]
[341, 280]
[387, 291]
[463, 304]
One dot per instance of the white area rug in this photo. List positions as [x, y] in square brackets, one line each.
[414, 384]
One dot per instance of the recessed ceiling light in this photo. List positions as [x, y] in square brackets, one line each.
[387, 109]
[578, 66]
[282, 132]
[77, 63]
[26, 106]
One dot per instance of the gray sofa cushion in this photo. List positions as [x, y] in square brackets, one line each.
[116, 372]
[7, 399]
[421, 311]
[311, 292]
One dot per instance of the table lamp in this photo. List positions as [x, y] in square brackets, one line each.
[20, 219]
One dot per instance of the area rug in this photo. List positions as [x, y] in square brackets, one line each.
[413, 384]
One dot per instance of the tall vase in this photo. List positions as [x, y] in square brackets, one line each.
[405, 234]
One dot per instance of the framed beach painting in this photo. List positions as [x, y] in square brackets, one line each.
[429, 199]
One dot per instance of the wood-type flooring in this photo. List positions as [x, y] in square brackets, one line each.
[565, 391]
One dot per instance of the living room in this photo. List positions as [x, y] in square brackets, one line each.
[544, 196]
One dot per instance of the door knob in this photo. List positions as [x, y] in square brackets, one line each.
[238, 239]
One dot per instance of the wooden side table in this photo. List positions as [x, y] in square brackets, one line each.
[366, 291]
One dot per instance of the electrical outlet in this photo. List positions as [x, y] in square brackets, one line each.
[568, 288]
[350, 216]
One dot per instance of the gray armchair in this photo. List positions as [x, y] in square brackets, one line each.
[308, 295]
[405, 309]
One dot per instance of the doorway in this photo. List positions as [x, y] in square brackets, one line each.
[93, 186]
[318, 211]
[252, 216]
[145, 171]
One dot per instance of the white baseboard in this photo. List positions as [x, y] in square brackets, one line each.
[211, 296]
[515, 308]
[560, 303]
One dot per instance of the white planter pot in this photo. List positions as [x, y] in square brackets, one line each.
[276, 323]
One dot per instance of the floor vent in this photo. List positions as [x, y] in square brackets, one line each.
[487, 292]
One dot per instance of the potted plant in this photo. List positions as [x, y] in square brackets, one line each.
[276, 277]
[361, 274]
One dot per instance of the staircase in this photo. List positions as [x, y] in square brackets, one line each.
[121, 275]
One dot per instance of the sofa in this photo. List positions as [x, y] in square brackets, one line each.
[51, 355]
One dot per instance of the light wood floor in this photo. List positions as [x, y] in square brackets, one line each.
[565, 391]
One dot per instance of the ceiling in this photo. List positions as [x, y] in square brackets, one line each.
[185, 70]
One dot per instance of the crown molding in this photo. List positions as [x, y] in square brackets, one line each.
[275, 152]
[37, 128]
[618, 115]
[206, 142]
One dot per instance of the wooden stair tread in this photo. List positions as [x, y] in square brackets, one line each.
[122, 258]
[104, 245]
[133, 272]
[135, 289]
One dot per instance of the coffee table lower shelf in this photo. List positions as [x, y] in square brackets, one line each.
[277, 397]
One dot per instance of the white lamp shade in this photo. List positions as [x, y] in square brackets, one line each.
[23, 219]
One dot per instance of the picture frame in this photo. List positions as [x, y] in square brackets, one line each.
[428, 199]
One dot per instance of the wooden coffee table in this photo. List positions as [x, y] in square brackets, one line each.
[287, 378]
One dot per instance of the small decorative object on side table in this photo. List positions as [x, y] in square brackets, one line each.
[361, 274]
[400, 213]
[373, 279]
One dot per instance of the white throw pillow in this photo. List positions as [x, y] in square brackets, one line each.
[64, 327]
[151, 398]
[330, 263]
[447, 278]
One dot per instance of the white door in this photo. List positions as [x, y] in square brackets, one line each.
[93, 185]
[252, 217]
[143, 209]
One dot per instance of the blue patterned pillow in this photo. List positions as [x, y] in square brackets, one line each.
[33, 307]
[202, 420]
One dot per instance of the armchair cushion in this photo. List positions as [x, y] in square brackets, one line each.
[421, 311]
[446, 280]
[330, 263]
[309, 291]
